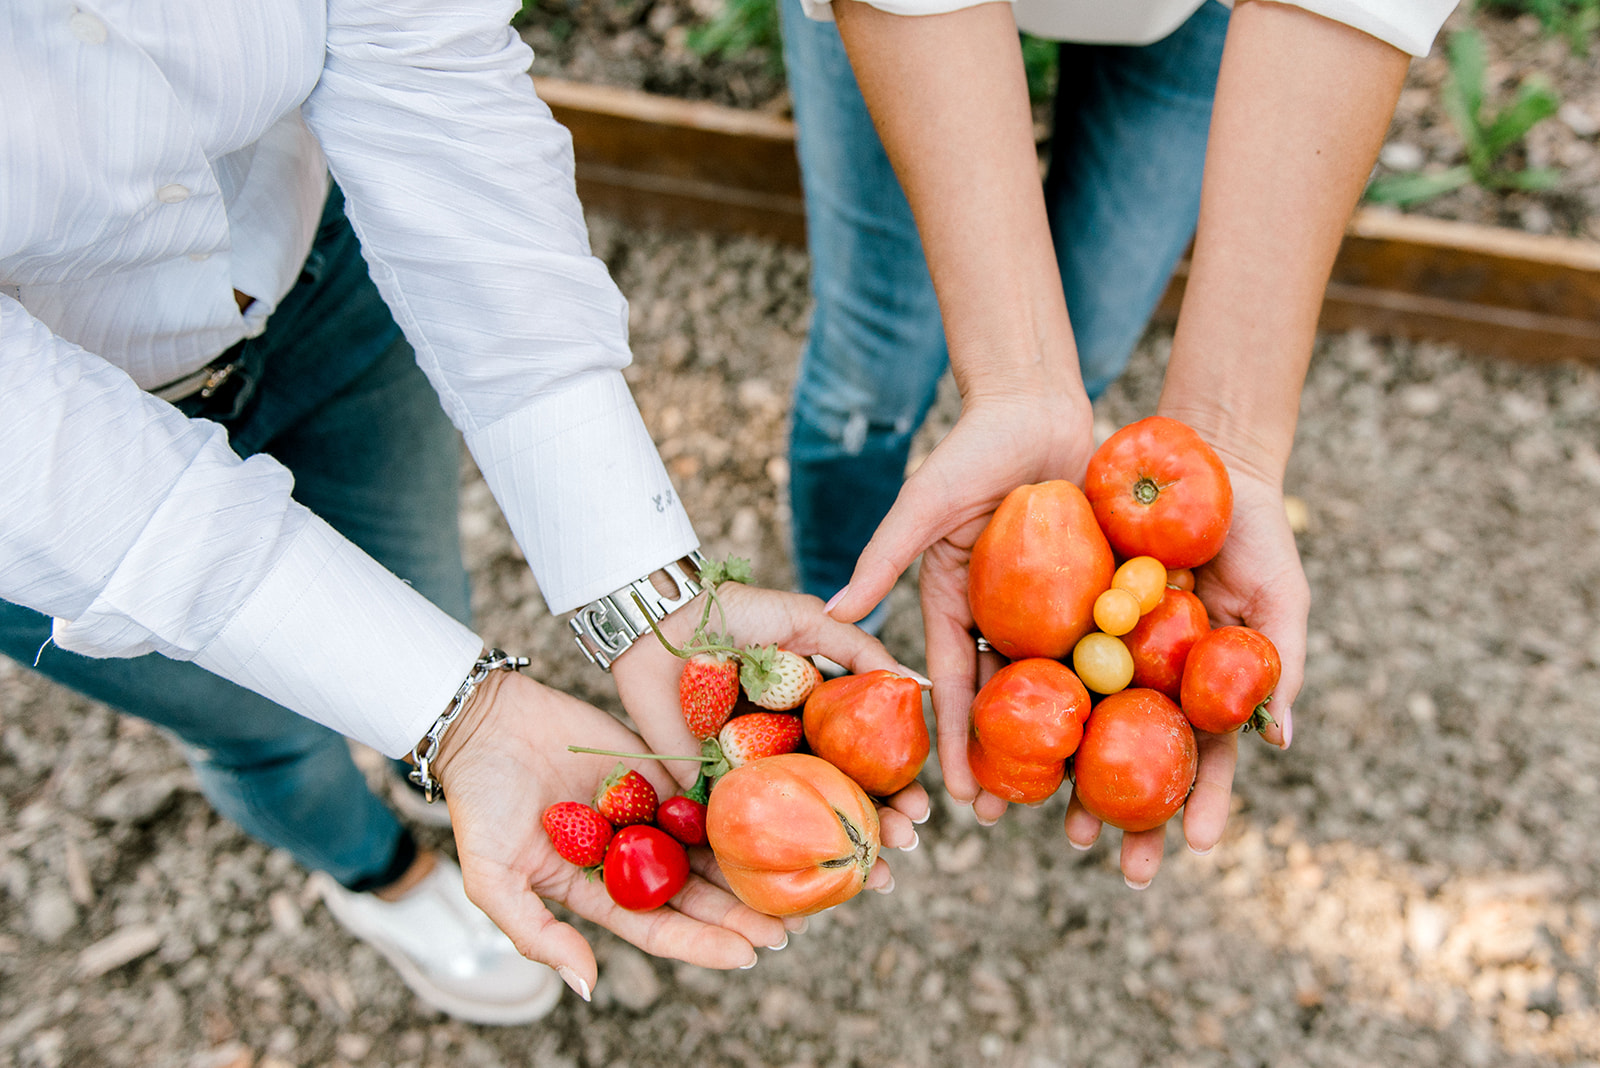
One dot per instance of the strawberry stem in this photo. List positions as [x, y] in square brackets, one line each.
[638, 756]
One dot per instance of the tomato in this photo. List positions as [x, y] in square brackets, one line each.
[1181, 578]
[644, 867]
[1161, 642]
[1116, 611]
[1036, 570]
[793, 834]
[1229, 678]
[1136, 763]
[1159, 490]
[1145, 577]
[870, 727]
[684, 818]
[1102, 662]
[1026, 722]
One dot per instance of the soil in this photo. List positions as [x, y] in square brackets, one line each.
[1415, 882]
[644, 44]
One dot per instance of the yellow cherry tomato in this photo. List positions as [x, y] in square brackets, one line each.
[1117, 611]
[1146, 578]
[1102, 662]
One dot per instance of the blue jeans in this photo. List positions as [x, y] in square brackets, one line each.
[1123, 194]
[332, 391]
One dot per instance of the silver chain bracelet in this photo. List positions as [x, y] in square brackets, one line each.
[427, 751]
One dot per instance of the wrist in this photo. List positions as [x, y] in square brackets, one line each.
[460, 721]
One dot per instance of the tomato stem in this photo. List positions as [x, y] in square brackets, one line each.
[1146, 490]
[1260, 719]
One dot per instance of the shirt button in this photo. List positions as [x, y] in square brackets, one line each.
[87, 28]
[172, 194]
[199, 257]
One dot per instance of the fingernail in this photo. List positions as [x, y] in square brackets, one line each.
[782, 944]
[1288, 727]
[1206, 852]
[575, 981]
[916, 677]
[1135, 886]
[916, 840]
[752, 964]
[835, 599]
[986, 822]
[804, 923]
[1080, 847]
[920, 820]
[886, 887]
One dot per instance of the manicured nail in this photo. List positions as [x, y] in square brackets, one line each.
[920, 820]
[1135, 886]
[982, 822]
[835, 599]
[1080, 847]
[916, 677]
[1206, 852]
[1288, 727]
[752, 964]
[572, 979]
[780, 945]
[916, 840]
[804, 923]
[886, 887]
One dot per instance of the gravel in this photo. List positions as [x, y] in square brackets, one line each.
[1416, 881]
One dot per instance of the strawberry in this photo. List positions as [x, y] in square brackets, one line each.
[708, 689]
[626, 797]
[579, 833]
[759, 734]
[777, 679]
[684, 818]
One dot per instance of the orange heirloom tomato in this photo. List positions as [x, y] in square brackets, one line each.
[1026, 722]
[871, 728]
[1229, 678]
[1159, 490]
[1036, 570]
[793, 834]
[1137, 761]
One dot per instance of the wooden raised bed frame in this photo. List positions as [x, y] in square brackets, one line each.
[1493, 291]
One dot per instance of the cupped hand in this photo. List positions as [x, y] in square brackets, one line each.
[994, 447]
[503, 763]
[1255, 581]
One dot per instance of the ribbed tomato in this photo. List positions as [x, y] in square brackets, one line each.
[793, 834]
[1159, 490]
[1136, 763]
[1036, 570]
[1026, 722]
[870, 727]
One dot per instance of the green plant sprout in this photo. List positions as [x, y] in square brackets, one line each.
[742, 26]
[1487, 136]
[1576, 20]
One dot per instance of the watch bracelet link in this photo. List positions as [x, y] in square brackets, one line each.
[605, 628]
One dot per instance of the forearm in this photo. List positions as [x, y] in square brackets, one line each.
[1301, 109]
[949, 99]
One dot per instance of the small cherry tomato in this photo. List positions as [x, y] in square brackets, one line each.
[1228, 680]
[1161, 642]
[1137, 761]
[1181, 578]
[684, 818]
[1116, 611]
[1159, 490]
[1145, 577]
[1102, 662]
[644, 867]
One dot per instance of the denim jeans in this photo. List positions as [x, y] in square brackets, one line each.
[334, 393]
[1123, 195]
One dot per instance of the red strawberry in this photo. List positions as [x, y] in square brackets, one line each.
[579, 833]
[759, 734]
[708, 690]
[626, 797]
[777, 679]
[684, 818]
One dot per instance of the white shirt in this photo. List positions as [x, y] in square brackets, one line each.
[156, 156]
[1409, 25]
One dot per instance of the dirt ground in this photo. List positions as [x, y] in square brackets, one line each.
[1417, 881]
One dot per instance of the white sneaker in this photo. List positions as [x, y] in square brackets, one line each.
[407, 800]
[447, 950]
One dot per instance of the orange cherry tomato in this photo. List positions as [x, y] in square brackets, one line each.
[870, 727]
[1159, 490]
[1116, 611]
[793, 834]
[1145, 577]
[1137, 761]
[1026, 722]
[1036, 570]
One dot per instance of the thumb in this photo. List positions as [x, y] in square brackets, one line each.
[917, 520]
[535, 931]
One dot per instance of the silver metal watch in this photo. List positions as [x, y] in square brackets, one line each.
[605, 628]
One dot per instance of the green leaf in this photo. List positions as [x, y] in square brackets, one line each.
[1534, 103]
[1405, 189]
[1530, 181]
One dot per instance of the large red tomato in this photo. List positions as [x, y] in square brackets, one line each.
[1026, 722]
[870, 727]
[1036, 570]
[1159, 490]
[793, 834]
[1160, 642]
[1229, 678]
[1137, 761]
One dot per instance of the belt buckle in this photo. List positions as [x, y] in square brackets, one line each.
[216, 378]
